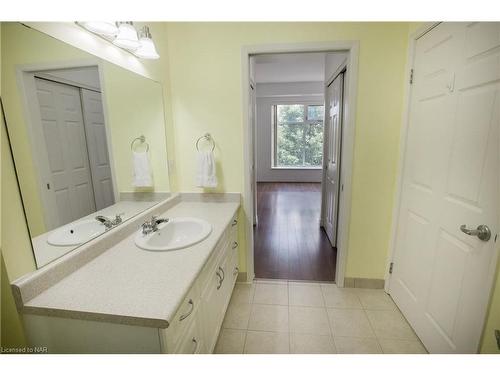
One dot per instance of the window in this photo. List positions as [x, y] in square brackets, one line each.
[298, 136]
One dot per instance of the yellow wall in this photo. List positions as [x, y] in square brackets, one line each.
[128, 112]
[16, 247]
[206, 95]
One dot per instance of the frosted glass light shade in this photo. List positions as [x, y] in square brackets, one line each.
[101, 27]
[127, 36]
[147, 49]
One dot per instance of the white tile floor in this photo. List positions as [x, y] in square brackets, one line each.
[293, 317]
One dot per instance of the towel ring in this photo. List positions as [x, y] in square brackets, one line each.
[141, 139]
[206, 137]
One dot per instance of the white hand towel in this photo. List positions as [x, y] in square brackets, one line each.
[142, 170]
[205, 175]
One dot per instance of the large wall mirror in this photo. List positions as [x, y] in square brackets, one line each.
[87, 137]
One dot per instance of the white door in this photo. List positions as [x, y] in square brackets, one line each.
[251, 114]
[69, 182]
[100, 165]
[442, 277]
[333, 136]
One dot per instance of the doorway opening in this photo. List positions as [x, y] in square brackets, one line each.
[296, 118]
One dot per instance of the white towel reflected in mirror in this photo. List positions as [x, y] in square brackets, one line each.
[142, 170]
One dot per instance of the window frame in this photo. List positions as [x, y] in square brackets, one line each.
[274, 132]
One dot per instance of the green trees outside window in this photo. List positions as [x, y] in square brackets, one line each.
[298, 135]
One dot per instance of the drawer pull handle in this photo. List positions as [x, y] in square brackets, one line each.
[234, 222]
[184, 316]
[221, 277]
[223, 274]
[236, 271]
[220, 280]
[235, 245]
[195, 342]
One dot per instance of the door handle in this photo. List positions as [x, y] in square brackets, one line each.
[482, 232]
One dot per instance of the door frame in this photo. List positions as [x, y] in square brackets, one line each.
[412, 41]
[25, 75]
[350, 88]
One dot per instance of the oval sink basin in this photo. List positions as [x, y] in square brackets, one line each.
[177, 233]
[76, 233]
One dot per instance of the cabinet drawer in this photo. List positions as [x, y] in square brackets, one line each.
[234, 227]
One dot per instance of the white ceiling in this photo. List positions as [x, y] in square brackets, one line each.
[289, 67]
[296, 67]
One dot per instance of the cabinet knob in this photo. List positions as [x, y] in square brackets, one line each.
[234, 222]
[235, 245]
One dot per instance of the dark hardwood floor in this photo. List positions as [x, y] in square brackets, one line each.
[289, 243]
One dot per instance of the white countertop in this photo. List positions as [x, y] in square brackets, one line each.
[132, 286]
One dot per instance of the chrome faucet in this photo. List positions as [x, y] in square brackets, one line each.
[152, 225]
[108, 223]
[104, 220]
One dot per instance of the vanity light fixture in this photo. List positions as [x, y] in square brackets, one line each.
[127, 36]
[147, 49]
[108, 29]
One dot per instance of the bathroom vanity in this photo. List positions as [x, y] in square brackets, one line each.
[110, 296]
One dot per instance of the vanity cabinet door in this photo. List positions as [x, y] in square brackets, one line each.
[214, 302]
[183, 318]
[193, 341]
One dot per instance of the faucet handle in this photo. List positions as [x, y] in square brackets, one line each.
[118, 218]
[146, 227]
